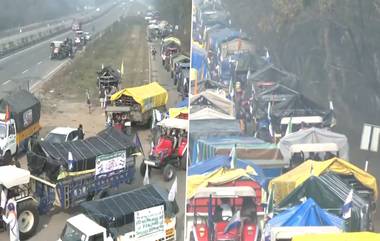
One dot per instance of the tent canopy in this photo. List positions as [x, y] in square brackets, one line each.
[360, 236]
[213, 100]
[209, 113]
[330, 192]
[306, 214]
[313, 135]
[175, 112]
[174, 123]
[285, 184]
[148, 96]
[217, 162]
[222, 35]
[218, 177]
[170, 40]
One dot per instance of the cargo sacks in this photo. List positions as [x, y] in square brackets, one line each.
[49, 159]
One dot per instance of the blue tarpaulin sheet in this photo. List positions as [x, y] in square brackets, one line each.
[183, 103]
[306, 214]
[217, 162]
[218, 37]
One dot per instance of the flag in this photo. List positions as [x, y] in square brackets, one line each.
[210, 221]
[290, 126]
[233, 157]
[122, 68]
[138, 143]
[173, 191]
[231, 89]
[146, 176]
[267, 216]
[7, 113]
[70, 160]
[270, 119]
[234, 222]
[347, 206]
[270, 205]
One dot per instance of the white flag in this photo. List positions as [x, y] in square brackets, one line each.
[146, 177]
[173, 191]
[70, 159]
[347, 206]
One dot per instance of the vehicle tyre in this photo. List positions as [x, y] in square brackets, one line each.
[143, 169]
[169, 172]
[7, 157]
[183, 161]
[28, 218]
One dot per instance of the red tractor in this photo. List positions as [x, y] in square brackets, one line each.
[231, 215]
[170, 152]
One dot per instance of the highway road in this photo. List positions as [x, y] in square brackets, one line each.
[33, 64]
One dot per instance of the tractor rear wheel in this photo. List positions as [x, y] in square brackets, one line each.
[28, 218]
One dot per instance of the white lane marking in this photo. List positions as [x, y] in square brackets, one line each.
[25, 71]
[39, 63]
[6, 82]
[48, 75]
[54, 70]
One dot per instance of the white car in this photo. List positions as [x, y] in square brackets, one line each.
[62, 134]
[87, 35]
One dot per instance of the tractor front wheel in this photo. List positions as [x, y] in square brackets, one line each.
[168, 172]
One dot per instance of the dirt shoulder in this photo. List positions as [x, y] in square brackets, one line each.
[63, 97]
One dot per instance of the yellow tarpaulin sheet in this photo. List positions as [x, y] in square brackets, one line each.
[362, 236]
[286, 183]
[217, 177]
[64, 174]
[148, 96]
[172, 39]
[174, 112]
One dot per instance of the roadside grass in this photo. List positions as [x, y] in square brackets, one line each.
[124, 40]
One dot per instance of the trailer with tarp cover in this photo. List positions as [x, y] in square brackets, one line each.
[73, 172]
[136, 104]
[141, 214]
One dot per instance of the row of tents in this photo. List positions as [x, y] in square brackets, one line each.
[301, 176]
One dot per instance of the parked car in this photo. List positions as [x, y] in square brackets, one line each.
[62, 134]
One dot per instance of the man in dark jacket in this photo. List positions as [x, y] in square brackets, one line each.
[80, 132]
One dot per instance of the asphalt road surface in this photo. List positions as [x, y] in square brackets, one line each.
[33, 64]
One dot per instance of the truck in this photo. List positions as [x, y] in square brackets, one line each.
[19, 123]
[76, 25]
[61, 49]
[144, 213]
[136, 104]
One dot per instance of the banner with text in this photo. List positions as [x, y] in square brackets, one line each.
[149, 223]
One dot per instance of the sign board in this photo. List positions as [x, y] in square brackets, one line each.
[28, 117]
[149, 223]
[110, 162]
[370, 138]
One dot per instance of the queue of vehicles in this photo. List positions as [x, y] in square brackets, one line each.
[276, 147]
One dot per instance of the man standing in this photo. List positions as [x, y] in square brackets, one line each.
[11, 220]
[80, 132]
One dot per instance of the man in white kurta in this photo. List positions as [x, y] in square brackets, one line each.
[11, 220]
